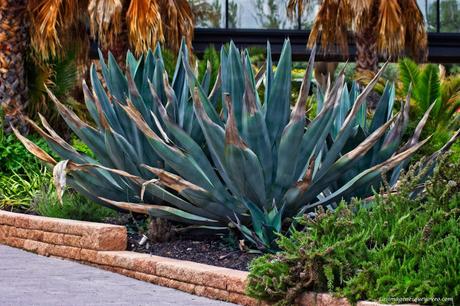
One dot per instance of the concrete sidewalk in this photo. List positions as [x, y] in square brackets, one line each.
[29, 279]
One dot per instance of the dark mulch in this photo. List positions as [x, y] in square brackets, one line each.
[211, 251]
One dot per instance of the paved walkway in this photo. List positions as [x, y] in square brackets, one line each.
[32, 280]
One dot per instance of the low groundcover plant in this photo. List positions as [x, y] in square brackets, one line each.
[400, 247]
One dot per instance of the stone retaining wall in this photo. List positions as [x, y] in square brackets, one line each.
[104, 245]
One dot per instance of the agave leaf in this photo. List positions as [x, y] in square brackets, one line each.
[194, 150]
[293, 133]
[204, 201]
[411, 142]
[91, 105]
[93, 138]
[242, 165]
[259, 77]
[59, 178]
[384, 107]
[100, 96]
[343, 110]
[65, 151]
[397, 132]
[277, 114]
[235, 86]
[344, 163]
[132, 207]
[180, 77]
[268, 79]
[136, 99]
[196, 90]
[150, 188]
[367, 176]
[161, 212]
[255, 131]
[146, 75]
[122, 153]
[206, 81]
[174, 157]
[216, 89]
[132, 63]
[173, 214]
[313, 137]
[447, 145]
[248, 75]
[116, 81]
[348, 125]
[421, 124]
[33, 148]
[59, 145]
[215, 140]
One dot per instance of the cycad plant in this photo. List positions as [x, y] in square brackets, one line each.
[430, 85]
[254, 166]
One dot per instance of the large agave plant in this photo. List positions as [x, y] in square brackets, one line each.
[115, 140]
[261, 162]
[270, 164]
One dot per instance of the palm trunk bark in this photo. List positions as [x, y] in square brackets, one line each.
[366, 42]
[366, 51]
[13, 46]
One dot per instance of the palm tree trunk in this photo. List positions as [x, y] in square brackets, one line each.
[13, 46]
[366, 51]
[366, 42]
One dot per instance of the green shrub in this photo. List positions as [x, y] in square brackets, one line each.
[21, 174]
[18, 189]
[210, 56]
[14, 158]
[74, 206]
[81, 147]
[401, 247]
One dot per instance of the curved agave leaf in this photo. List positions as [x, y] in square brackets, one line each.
[278, 102]
[366, 177]
[291, 138]
[242, 164]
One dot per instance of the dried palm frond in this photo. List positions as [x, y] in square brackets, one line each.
[145, 27]
[178, 21]
[361, 10]
[398, 24]
[390, 29]
[331, 30]
[415, 33]
[71, 11]
[44, 16]
[52, 24]
[105, 19]
[297, 7]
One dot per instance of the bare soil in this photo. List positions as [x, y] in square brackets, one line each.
[209, 250]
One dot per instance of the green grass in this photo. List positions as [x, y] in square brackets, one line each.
[19, 189]
[74, 206]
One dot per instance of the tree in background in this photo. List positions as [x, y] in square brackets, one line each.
[449, 16]
[385, 27]
[13, 46]
[206, 13]
[268, 15]
[45, 29]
